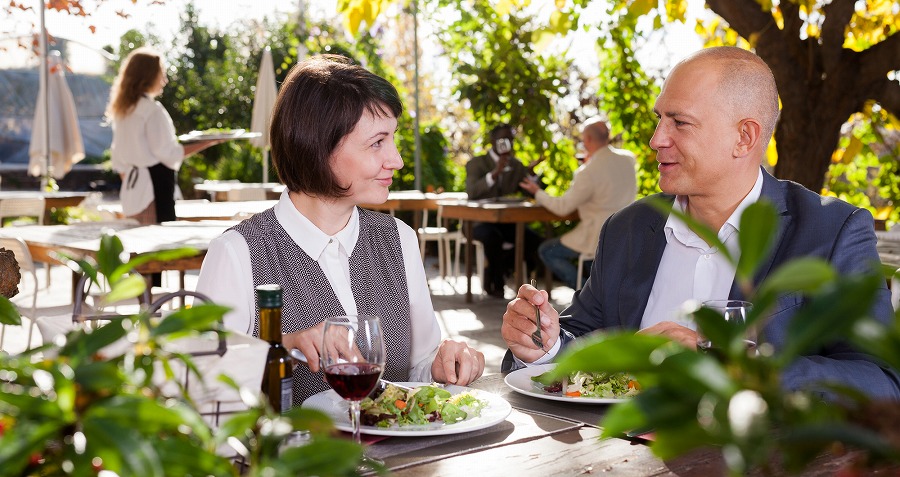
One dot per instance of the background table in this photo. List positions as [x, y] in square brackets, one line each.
[227, 190]
[83, 240]
[517, 212]
[52, 200]
[201, 210]
[415, 201]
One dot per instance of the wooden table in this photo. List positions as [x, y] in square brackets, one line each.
[52, 200]
[220, 190]
[200, 210]
[83, 240]
[548, 438]
[500, 211]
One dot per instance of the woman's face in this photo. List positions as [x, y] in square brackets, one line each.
[366, 159]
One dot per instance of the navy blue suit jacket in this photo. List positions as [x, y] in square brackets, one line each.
[632, 243]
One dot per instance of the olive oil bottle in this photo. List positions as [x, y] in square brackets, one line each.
[278, 374]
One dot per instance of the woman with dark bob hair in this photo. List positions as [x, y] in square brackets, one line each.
[333, 147]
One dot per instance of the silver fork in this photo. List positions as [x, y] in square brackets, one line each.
[536, 336]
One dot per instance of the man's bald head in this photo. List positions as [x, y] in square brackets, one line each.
[746, 84]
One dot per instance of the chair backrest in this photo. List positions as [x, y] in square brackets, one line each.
[253, 193]
[20, 250]
[22, 207]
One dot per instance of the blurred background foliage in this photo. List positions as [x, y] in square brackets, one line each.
[500, 69]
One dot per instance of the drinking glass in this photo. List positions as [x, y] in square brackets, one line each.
[735, 313]
[353, 359]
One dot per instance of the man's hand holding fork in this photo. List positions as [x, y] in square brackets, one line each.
[519, 324]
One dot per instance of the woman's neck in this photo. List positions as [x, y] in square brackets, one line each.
[330, 216]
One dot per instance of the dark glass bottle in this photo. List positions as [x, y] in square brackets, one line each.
[278, 374]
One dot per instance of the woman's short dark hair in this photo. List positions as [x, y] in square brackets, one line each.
[320, 102]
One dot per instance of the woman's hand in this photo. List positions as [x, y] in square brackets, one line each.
[309, 342]
[457, 363]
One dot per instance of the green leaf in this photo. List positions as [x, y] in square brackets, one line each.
[159, 256]
[109, 258]
[322, 456]
[123, 449]
[9, 314]
[126, 288]
[805, 275]
[758, 226]
[19, 442]
[316, 422]
[830, 315]
[189, 321]
[81, 344]
[99, 376]
[879, 340]
[612, 353]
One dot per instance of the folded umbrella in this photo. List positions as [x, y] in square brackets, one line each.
[66, 146]
[263, 102]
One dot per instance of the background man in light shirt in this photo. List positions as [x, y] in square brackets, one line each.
[717, 111]
[605, 183]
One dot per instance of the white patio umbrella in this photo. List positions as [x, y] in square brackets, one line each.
[263, 102]
[55, 125]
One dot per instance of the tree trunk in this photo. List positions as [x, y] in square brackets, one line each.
[806, 139]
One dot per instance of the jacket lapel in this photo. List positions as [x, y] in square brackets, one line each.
[773, 191]
[636, 285]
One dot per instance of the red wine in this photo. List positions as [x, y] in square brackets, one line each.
[353, 381]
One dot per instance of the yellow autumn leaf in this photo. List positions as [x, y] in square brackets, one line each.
[676, 10]
[541, 39]
[772, 153]
[641, 7]
[560, 4]
[883, 212]
[852, 150]
[504, 7]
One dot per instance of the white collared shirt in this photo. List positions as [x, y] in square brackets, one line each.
[489, 178]
[692, 270]
[226, 277]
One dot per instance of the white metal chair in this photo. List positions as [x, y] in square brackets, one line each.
[582, 259]
[479, 255]
[436, 233]
[22, 207]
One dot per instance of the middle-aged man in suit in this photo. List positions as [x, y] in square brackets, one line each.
[717, 111]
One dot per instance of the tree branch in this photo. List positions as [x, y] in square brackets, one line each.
[744, 16]
[837, 15]
[888, 96]
[883, 57]
[790, 13]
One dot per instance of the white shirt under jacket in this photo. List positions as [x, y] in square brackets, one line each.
[143, 138]
[711, 277]
[227, 277]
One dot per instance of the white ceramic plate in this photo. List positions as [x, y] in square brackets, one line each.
[495, 412]
[520, 382]
[204, 136]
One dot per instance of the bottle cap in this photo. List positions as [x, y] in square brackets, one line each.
[268, 296]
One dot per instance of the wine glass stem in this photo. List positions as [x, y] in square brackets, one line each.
[354, 415]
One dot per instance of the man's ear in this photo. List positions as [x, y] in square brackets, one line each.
[750, 131]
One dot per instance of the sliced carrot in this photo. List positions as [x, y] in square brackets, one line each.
[633, 384]
[401, 404]
[574, 394]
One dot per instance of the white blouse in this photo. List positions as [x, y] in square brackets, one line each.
[143, 138]
[226, 277]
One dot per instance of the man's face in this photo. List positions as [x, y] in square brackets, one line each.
[696, 133]
[496, 139]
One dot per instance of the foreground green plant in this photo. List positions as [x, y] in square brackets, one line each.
[86, 403]
[735, 400]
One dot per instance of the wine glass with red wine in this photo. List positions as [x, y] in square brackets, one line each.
[353, 359]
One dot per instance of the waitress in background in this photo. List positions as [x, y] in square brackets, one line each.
[145, 150]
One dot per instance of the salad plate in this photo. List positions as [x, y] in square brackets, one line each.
[495, 412]
[520, 382]
[216, 134]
